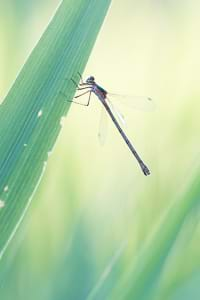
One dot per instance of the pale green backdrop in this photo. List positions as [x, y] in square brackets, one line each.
[94, 210]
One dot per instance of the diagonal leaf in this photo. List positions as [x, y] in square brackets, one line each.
[142, 278]
[31, 113]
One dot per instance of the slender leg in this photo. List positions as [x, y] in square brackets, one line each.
[79, 96]
[89, 98]
[81, 83]
[87, 87]
[84, 84]
[81, 78]
[78, 85]
[74, 82]
[82, 94]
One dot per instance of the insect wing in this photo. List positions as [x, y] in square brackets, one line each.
[134, 102]
[117, 113]
[103, 127]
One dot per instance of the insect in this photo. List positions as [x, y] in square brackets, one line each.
[90, 86]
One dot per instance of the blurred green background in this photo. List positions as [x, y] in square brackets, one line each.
[94, 210]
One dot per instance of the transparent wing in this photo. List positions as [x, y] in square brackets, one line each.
[134, 102]
[117, 113]
[103, 126]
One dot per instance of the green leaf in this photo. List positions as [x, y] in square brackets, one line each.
[141, 280]
[31, 113]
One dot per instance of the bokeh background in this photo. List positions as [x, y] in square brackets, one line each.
[94, 210]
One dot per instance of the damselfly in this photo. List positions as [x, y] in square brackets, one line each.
[90, 86]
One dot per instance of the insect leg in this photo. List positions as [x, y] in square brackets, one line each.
[64, 95]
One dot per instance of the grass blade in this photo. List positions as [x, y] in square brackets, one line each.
[142, 278]
[31, 113]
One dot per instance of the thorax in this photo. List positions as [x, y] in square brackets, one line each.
[99, 91]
